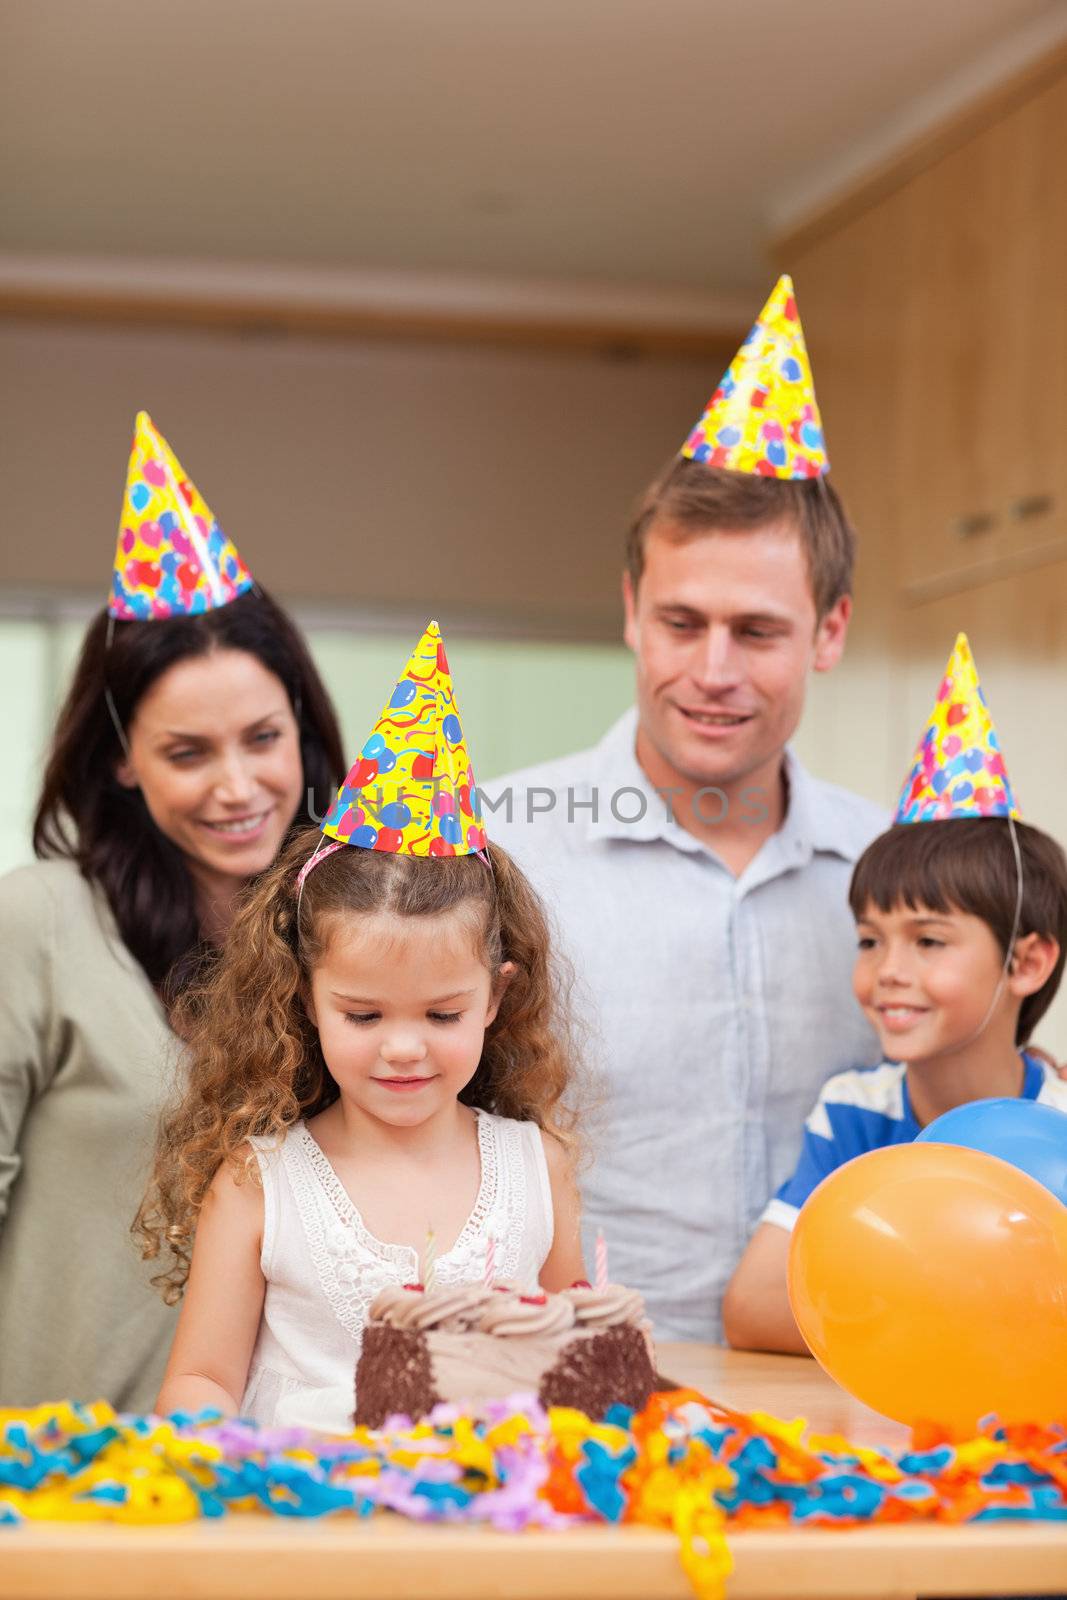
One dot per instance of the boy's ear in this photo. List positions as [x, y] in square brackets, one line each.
[501, 978]
[1032, 962]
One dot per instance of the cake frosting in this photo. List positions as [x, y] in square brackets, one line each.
[467, 1343]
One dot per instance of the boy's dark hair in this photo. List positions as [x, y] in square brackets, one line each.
[969, 865]
[701, 499]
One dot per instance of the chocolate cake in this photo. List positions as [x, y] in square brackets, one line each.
[465, 1343]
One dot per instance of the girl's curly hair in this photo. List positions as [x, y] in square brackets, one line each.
[254, 1065]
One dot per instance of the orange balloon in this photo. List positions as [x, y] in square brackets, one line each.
[931, 1282]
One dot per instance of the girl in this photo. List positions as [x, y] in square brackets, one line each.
[384, 1048]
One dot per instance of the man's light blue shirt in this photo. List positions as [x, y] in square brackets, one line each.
[717, 1006]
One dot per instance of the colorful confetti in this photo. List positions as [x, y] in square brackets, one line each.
[684, 1463]
[763, 418]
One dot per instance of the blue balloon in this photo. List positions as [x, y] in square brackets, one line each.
[364, 836]
[1027, 1135]
[373, 747]
[451, 729]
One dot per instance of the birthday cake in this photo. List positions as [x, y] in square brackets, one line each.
[467, 1343]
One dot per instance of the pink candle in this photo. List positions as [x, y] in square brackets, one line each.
[601, 1260]
[490, 1261]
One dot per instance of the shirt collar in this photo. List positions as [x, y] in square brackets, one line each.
[628, 806]
[624, 791]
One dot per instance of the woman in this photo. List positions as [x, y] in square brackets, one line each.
[187, 749]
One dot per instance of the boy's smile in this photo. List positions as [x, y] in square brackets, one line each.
[899, 1018]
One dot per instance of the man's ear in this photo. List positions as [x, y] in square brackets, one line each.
[1032, 961]
[830, 634]
[501, 978]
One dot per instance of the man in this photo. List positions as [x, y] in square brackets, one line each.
[698, 874]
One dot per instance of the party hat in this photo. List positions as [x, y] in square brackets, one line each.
[763, 417]
[173, 559]
[412, 789]
[958, 769]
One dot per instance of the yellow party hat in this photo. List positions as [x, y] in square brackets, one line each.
[172, 559]
[763, 417]
[958, 769]
[412, 789]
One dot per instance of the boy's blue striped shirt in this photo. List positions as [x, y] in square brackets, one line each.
[865, 1109]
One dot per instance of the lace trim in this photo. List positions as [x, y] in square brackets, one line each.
[352, 1265]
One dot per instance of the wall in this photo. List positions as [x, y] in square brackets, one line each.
[469, 483]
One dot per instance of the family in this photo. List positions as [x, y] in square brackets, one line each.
[670, 985]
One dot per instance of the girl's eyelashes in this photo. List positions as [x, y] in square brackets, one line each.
[365, 1017]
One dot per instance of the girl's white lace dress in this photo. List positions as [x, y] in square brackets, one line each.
[323, 1267]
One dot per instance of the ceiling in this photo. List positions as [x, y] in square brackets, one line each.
[644, 141]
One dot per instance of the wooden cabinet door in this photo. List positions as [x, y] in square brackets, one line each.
[1026, 410]
[984, 353]
[947, 473]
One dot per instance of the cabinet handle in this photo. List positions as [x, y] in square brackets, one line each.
[973, 523]
[1031, 505]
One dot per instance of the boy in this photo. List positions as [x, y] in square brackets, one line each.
[962, 933]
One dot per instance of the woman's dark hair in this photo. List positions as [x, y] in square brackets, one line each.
[968, 864]
[86, 815]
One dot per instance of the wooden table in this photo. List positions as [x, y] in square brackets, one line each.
[253, 1558]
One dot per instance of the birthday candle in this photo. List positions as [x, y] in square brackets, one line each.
[601, 1260]
[429, 1257]
[490, 1261]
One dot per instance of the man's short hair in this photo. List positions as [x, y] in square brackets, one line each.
[700, 499]
[969, 865]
